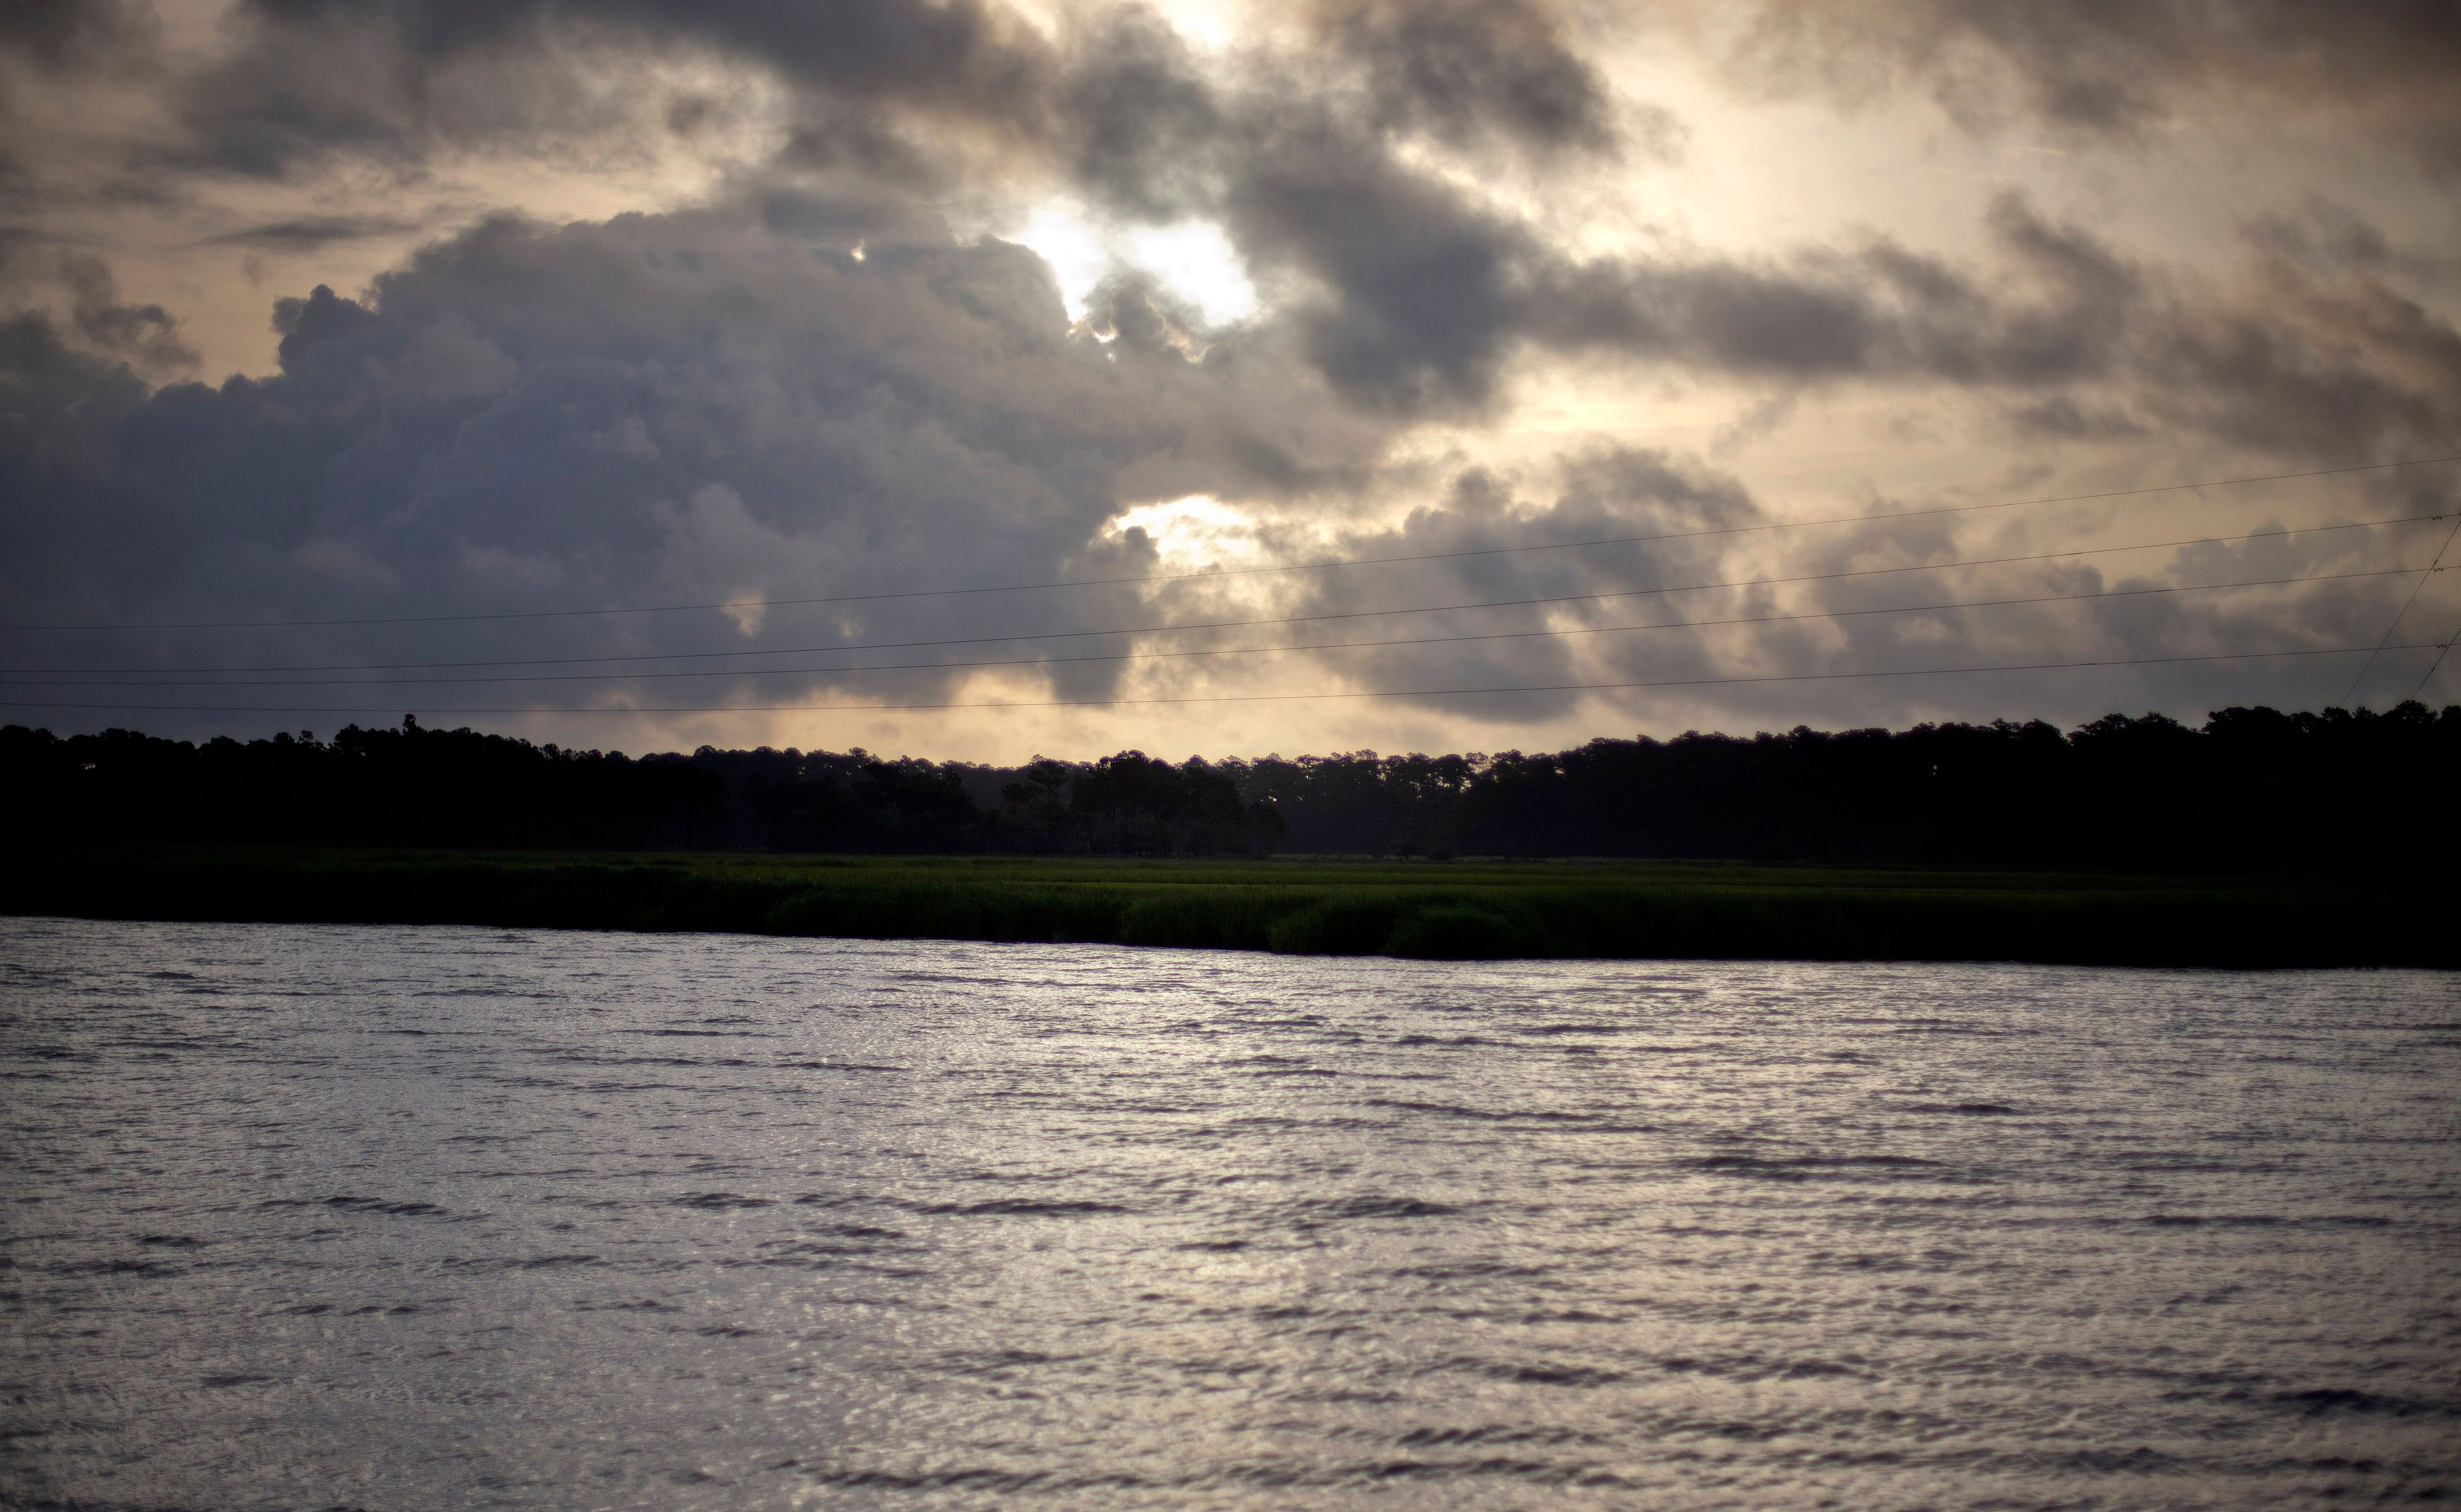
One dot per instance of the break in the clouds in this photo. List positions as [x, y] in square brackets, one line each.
[783, 310]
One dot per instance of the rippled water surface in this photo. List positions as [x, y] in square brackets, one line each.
[443, 1218]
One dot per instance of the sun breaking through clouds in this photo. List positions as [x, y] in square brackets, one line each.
[975, 379]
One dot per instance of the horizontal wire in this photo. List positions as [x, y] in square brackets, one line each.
[9, 674]
[1304, 566]
[1246, 698]
[1228, 651]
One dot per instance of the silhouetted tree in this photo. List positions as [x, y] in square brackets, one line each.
[2252, 788]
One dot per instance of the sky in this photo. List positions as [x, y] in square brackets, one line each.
[978, 380]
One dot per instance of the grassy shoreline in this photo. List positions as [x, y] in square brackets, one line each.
[1438, 910]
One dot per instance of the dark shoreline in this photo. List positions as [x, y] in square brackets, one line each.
[1435, 910]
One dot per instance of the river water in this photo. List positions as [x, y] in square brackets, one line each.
[413, 1218]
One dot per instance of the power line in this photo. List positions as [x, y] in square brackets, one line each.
[1178, 576]
[1243, 698]
[1252, 623]
[2427, 675]
[1230, 651]
[2434, 566]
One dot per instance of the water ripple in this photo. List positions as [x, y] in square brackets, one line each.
[316, 1217]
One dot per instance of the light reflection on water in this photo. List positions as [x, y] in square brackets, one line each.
[435, 1217]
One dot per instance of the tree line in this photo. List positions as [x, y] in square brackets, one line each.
[2251, 788]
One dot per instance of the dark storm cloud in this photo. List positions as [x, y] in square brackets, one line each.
[961, 56]
[1298, 155]
[311, 233]
[714, 405]
[1593, 494]
[686, 407]
[89, 312]
[1120, 98]
[2062, 417]
[308, 89]
[146, 336]
[1147, 135]
[58, 405]
[2322, 237]
[2313, 348]
[810, 386]
[71, 33]
[2317, 358]
[392, 79]
[2337, 371]
[2121, 67]
[1413, 300]
[1415, 308]
[2053, 311]
[1466, 71]
[1890, 601]
[1410, 296]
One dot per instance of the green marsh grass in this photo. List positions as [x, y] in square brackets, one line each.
[1464, 909]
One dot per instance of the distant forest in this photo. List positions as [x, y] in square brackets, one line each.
[2252, 789]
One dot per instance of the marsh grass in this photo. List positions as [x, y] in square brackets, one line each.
[1465, 910]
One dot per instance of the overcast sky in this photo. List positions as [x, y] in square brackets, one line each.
[437, 322]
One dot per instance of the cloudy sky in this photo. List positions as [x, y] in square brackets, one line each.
[651, 373]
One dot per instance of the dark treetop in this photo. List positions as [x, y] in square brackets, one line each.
[2254, 788]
